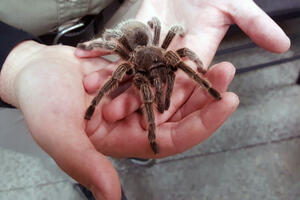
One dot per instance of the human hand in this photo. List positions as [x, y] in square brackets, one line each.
[205, 23]
[45, 83]
[190, 123]
[129, 101]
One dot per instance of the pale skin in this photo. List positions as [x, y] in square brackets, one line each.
[52, 87]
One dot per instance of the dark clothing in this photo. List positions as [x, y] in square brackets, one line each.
[9, 38]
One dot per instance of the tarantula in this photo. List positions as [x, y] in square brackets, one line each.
[152, 66]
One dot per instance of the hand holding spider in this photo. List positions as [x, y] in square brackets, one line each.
[203, 32]
[207, 21]
[192, 117]
[50, 94]
[47, 87]
[152, 67]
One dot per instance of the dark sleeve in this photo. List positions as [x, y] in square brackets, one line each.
[9, 38]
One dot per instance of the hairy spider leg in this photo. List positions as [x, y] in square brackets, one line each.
[119, 36]
[123, 40]
[186, 52]
[200, 80]
[107, 87]
[157, 82]
[109, 45]
[154, 23]
[170, 86]
[111, 34]
[176, 29]
[143, 85]
[174, 59]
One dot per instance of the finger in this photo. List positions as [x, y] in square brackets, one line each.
[74, 153]
[172, 137]
[122, 106]
[94, 64]
[220, 76]
[80, 53]
[200, 124]
[78, 158]
[259, 26]
[71, 149]
[94, 80]
[88, 167]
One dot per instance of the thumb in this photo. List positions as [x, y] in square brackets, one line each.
[74, 153]
[55, 121]
[91, 169]
[78, 158]
[259, 26]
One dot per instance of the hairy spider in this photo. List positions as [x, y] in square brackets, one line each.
[151, 65]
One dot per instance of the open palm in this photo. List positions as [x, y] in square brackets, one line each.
[207, 21]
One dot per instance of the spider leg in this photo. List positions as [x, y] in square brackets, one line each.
[144, 87]
[200, 80]
[107, 87]
[119, 36]
[112, 34]
[108, 45]
[154, 23]
[174, 60]
[176, 29]
[158, 85]
[123, 40]
[170, 85]
[186, 52]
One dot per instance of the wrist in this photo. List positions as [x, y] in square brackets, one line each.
[15, 62]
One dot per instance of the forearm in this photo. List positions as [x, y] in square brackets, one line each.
[11, 39]
[12, 66]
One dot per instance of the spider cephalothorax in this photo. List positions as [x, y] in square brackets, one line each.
[151, 66]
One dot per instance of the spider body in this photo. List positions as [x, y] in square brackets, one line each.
[146, 58]
[152, 66]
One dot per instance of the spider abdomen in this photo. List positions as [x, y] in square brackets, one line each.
[137, 33]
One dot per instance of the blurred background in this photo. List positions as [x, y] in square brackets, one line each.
[254, 155]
